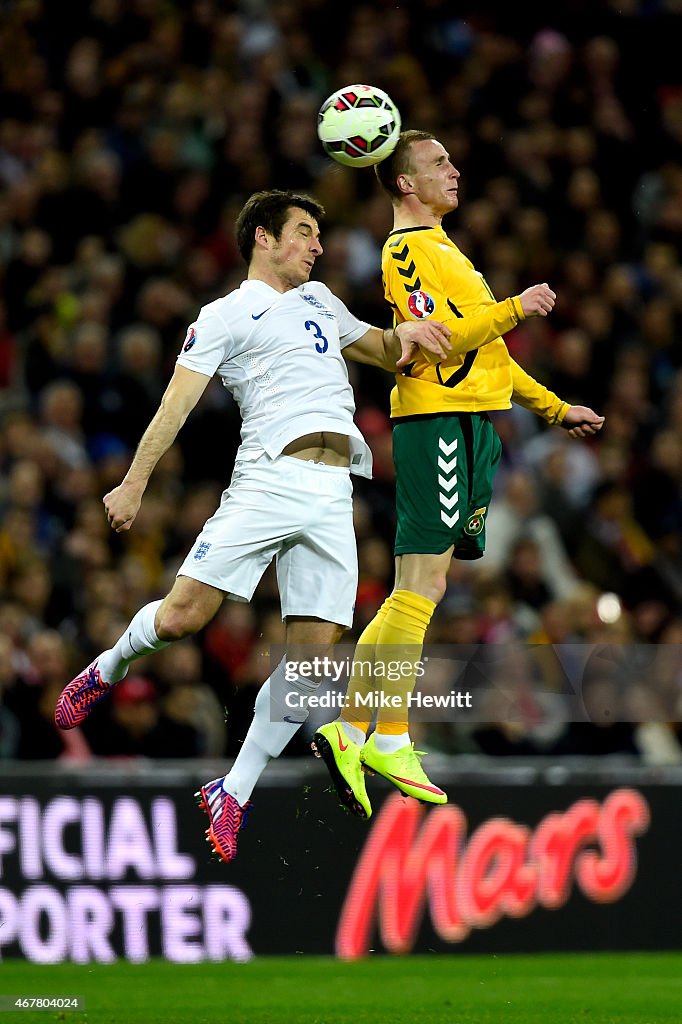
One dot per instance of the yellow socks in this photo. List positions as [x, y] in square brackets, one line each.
[361, 682]
[386, 659]
[399, 647]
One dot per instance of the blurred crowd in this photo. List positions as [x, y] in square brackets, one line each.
[131, 133]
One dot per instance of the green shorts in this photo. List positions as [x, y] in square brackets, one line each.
[444, 467]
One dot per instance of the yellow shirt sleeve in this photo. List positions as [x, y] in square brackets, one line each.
[535, 397]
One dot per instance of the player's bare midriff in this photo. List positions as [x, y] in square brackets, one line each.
[327, 448]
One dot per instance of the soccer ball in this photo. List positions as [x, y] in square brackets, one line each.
[358, 125]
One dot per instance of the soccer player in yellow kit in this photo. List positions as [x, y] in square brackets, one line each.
[445, 449]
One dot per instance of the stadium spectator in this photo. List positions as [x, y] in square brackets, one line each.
[516, 517]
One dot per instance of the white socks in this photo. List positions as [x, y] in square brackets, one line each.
[387, 743]
[275, 722]
[139, 639]
[353, 732]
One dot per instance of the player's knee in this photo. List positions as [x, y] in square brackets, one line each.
[177, 621]
[434, 587]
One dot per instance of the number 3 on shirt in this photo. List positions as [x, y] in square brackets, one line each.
[310, 325]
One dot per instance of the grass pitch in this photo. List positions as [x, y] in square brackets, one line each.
[595, 988]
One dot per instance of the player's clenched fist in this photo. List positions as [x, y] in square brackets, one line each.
[122, 505]
[538, 300]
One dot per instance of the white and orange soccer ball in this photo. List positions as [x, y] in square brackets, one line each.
[358, 125]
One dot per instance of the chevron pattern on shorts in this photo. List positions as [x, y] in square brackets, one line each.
[400, 252]
[447, 481]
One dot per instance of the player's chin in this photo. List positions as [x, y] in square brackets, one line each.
[296, 280]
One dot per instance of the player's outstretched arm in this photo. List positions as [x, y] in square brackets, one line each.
[393, 348]
[580, 421]
[472, 332]
[183, 392]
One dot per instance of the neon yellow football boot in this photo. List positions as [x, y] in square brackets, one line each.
[342, 758]
[402, 768]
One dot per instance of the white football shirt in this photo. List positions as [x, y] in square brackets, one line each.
[280, 357]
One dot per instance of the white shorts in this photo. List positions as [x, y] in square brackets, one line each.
[300, 513]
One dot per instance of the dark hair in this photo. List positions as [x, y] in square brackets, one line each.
[389, 170]
[269, 210]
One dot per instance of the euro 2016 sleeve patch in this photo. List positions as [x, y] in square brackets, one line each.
[420, 304]
[190, 339]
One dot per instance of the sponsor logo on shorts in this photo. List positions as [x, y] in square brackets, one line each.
[420, 304]
[201, 551]
[476, 521]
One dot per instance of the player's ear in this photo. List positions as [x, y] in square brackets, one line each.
[404, 184]
[261, 237]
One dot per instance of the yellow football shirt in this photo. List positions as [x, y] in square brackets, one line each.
[427, 276]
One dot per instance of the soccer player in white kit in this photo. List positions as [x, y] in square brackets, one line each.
[276, 342]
